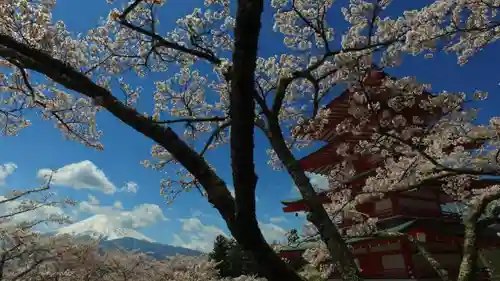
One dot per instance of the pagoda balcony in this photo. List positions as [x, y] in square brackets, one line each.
[425, 204]
[388, 214]
[422, 203]
[397, 258]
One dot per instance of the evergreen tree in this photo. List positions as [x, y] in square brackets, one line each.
[242, 262]
[292, 237]
[232, 260]
[235, 260]
[220, 254]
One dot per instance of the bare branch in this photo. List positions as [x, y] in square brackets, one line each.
[194, 119]
[214, 135]
[62, 73]
[162, 42]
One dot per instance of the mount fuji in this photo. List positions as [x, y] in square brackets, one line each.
[101, 227]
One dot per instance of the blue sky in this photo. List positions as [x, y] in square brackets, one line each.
[190, 217]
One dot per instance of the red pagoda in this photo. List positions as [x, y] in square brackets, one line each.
[418, 213]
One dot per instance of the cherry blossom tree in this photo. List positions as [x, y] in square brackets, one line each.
[450, 151]
[27, 254]
[24, 251]
[68, 79]
[89, 264]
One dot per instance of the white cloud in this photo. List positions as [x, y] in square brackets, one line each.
[204, 214]
[75, 212]
[130, 187]
[6, 170]
[308, 229]
[118, 205]
[278, 219]
[196, 235]
[81, 175]
[196, 213]
[140, 216]
[231, 190]
[272, 232]
[93, 200]
[302, 215]
[199, 236]
[319, 183]
[39, 213]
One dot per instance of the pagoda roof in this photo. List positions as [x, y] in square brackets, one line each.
[479, 183]
[322, 160]
[339, 107]
[446, 228]
[313, 243]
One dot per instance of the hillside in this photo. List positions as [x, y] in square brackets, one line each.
[156, 250]
[100, 227]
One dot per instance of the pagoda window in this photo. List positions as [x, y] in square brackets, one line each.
[393, 261]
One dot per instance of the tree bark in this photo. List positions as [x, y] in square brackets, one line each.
[443, 274]
[247, 233]
[468, 265]
[339, 252]
[242, 113]
[242, 106]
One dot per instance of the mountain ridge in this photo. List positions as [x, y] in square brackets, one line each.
[112, 237]
[154, 249]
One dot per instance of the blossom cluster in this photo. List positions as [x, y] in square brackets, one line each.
[314, 60]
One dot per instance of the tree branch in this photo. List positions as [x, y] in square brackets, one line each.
[337, 248]
[242, 105]
[193, 119]
[214, 135]
[469, 265]
[242, 113]
[435, 264]
[247, 232]
[160, 41]
[36, 60]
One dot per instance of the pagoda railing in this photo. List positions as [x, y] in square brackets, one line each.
[428, 213]
[388, 213]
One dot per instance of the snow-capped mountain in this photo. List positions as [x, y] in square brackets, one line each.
[99, 226]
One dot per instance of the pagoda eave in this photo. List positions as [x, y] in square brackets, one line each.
[299, 205]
